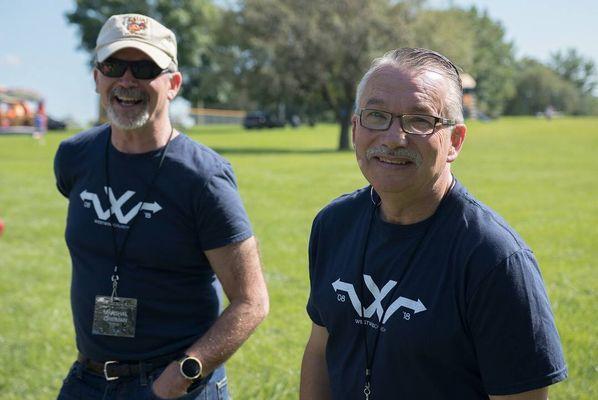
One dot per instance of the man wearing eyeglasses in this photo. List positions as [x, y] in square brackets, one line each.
[154, 222]
[419, 291]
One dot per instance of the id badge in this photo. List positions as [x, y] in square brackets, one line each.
[114, 316]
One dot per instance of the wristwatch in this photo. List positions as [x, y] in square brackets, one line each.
[190, 367]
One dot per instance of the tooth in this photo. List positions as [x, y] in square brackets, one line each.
[391, 161]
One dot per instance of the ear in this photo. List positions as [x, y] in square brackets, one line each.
[176, 81]
[457, 138]
[95, 78]
[353, 126]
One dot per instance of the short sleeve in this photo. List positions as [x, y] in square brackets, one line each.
[513, 329]
[62, 182]
[222, 219]
[312, 311]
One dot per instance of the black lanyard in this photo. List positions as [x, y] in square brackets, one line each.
[118, 252]
[369, 357]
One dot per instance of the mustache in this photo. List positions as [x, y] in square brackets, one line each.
[134, 93]
[408, 154]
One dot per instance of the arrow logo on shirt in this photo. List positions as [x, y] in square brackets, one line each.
[379, 295]
[101, 213]
[350, 290]
[416, 306]
[116, 205]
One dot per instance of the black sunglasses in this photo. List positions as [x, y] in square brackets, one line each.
[143, 69]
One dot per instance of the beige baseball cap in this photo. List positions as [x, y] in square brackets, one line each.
[139, 32]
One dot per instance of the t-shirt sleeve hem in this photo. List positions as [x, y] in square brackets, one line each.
[313, 315]
[521, 387]
[239, 237]
[62, 192]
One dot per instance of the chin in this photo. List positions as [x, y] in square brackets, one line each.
[394, 189]
[389, 181]
[125, 122]
[386, 185]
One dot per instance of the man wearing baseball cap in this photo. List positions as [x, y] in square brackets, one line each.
[154, 223]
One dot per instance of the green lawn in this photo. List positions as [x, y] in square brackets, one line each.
[540, 175]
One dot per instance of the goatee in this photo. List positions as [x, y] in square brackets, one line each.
[131, 119]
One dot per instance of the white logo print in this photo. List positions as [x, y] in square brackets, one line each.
[376, 306]
[116, 206]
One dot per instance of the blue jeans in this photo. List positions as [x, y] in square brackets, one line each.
[81, 384]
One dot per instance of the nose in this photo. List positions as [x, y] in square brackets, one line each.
[395, 135]
[127, 79]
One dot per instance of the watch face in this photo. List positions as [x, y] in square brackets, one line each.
[191, 368]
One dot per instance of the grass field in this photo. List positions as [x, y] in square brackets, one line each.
[540, 175]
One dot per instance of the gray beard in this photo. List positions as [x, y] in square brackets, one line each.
[128, 122]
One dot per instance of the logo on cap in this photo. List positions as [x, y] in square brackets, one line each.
[136, 24]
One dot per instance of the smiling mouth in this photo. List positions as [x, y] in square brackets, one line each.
[127, 101]
[393, 161]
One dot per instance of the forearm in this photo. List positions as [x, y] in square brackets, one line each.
[314, 379]
[228, 333]
[315, 383]
[237, 266]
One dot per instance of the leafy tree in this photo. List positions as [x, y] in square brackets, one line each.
[447, 32]
[304, 51]
[539, 87]
[581, 73]
[565, 84]
[191, 20]
[573, 67]
[493, 63]
[477, 44]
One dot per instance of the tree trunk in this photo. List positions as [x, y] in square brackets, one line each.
[344, 118]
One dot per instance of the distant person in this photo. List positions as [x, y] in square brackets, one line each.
[153, 219]
[3, 119]
[40, 121]
[295, 121]
[549, 112]
[419, 291]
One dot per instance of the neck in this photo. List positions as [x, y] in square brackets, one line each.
[142, 140]
[409, 208]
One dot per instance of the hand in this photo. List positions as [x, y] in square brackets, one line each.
[170, 384]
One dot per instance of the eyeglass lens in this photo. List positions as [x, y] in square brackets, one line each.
[143, 69]
[381, 120]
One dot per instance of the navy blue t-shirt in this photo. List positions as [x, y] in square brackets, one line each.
[194, 206]
[469, 318]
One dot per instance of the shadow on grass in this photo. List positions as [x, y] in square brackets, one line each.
[228, 129]
[274, 150]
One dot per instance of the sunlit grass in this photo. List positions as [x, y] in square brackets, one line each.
[540, 175]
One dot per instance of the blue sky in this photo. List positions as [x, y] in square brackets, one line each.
[38, 49]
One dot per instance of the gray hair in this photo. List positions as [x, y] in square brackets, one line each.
[419, 60]
[172, 67]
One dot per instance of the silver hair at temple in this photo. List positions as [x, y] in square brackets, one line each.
[419, 60]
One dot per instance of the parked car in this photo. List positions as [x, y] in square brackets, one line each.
[261, 119]
[54, 124]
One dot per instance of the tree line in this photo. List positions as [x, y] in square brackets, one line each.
[305, 57]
